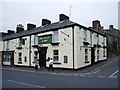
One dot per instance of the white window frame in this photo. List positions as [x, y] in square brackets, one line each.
[36, 39]
[20, 57]
[56, 55]
[85, 35]
[55, 36]
[86, 55]
[7, 44]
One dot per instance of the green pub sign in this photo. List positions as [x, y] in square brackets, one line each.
[45, 39]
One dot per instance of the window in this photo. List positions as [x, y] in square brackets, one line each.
[65, 59]
[97, 54]
[55, 36]
[36, 39]
[85, 35]
[104, 53]
[55, 55]
[7, 45]
[20, 42]
[103, 41]
[20, 57]
[25, 59]
[97, 39]
[86, 55]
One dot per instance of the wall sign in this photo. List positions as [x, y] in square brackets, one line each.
[45, 39]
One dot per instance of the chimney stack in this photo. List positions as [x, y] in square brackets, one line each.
[19, 28]
[110, 26]
[10, 32]
[30, 26]
[96, 24]
[63, 17]
[45, 22]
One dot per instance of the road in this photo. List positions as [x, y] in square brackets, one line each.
[101, 75]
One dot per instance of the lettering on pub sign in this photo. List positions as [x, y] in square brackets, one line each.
[45, 39]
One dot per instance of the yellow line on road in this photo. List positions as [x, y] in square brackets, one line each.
[98, 69]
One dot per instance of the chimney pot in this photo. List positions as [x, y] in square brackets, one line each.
[30, 26]
[63, 17]
[45, 22]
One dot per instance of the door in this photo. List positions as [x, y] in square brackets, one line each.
[42, 56]
[92, 55]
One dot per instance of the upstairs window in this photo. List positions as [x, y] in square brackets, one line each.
[55, 36]
[85, 35]
[36, 39]
[20, 42]
[7, 45]
[97, 39]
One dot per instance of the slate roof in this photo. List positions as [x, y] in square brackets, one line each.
[45, 28]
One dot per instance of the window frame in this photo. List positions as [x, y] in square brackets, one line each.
[56, 55]
[84, 35]
[55, 36]
[20, 57]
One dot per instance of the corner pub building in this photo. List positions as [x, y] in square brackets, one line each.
[69, 44]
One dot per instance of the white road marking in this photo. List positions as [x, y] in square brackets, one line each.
[25, 84]
[101, 76]
[113, 74]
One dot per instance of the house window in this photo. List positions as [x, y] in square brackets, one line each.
[25, 59]
[97, 54]
[55, 55]
[36, 39]
[65, 59]
[86, 55]
[55, 36]
[103, 41]
[104, 53]
[85, 35]
[20, 42]
[20, 57]
[97, 39]
[7, 45]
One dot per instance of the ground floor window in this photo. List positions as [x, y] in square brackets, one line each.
[97, 54]
[55, 55]
[20, 57]
[86, 55]
[104, 53]
[65, 59]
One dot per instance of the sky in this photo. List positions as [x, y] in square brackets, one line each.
[33, 11]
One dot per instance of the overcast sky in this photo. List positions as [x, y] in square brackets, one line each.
[84, 13]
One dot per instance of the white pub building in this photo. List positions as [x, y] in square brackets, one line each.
[69, 44]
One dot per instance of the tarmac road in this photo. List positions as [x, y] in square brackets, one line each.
[101, 75]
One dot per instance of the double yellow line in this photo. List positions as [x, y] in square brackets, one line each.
[98, 69]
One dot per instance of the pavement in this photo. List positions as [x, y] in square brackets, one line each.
[86, 71]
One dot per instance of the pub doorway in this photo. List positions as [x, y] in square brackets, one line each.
[42, 56]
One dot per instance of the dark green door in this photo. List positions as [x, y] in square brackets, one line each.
[42, 56]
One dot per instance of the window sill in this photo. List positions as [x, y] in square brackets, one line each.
[34, 46]
[85, 43]
[55, 43]
[56, 63]
[86, 61]
[19, 47]
[19, 62]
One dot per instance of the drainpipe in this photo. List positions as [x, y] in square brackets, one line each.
[73, 46]
[30, 52]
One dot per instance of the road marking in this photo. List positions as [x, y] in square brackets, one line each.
[97, 69]
[113, 73]
[26, 84]
[101, 76]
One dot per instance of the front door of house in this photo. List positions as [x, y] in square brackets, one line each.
[42, 56]
[92, 55]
